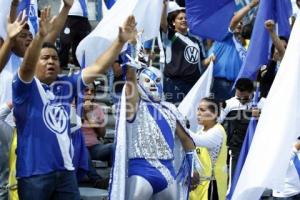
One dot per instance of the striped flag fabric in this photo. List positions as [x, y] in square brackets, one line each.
[31, 10]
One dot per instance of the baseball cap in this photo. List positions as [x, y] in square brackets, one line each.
[173, 6]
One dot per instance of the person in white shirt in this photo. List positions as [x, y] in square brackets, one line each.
[236, 115]
[76, 28]
[291, 185]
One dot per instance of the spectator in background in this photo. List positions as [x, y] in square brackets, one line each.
[76, 28]
[268, 72]
[237, 113]
[184, 54]
[93, 127]
[229, 55]
[291, 185]
[16, 44]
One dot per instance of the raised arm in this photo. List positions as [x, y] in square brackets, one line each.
[241, 14]
[59, 22]
[28, 65]
[126, 34]
[164, 17]
[270, 26]
[12, 31]
[132, 95]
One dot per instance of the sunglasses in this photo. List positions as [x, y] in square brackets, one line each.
[243, 98]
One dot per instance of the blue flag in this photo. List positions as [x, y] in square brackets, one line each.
[30, 8]
[283, 12]
[109, 3]
[209, 18]
[84, 8]
[245, 149]
[258, 51]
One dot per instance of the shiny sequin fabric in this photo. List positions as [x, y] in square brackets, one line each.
[145, 139]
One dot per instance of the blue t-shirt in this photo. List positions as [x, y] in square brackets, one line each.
[43, 124]
[228, 62]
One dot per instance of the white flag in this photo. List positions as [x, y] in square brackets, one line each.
[147, 14]
[4, 11]
[277, 129]
[117, 189]
[191, 101]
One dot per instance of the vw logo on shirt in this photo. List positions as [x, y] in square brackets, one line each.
[56, 118]
[191, 54]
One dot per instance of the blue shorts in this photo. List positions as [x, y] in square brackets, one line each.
[140, 167]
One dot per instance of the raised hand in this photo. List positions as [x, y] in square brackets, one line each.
[45, 23]
[128, 32]
[14, 28]
[270, 25]
[68, 3]
[254, 3]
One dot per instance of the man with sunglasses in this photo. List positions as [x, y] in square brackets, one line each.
[236, 114]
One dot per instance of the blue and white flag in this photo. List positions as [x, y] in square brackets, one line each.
[277, 128]
[201, 89]
[258, 51]
[147, 14]
[31, 10]
[209, 18]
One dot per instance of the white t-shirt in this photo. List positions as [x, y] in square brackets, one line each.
[292, 181]
[6, 77]
[234, 104]
[212, 139]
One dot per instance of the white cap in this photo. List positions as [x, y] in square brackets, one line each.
[173, 6]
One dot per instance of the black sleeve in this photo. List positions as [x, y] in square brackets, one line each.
[171, 33]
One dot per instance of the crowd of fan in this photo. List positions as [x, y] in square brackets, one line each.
[186, 57]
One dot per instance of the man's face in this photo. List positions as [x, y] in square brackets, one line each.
[243, 97]
[22, 41]
[298, 3]
[47, 66]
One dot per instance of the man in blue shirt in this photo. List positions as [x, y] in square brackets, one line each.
[229, 55]
[42, 102]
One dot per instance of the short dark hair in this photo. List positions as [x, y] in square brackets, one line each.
[244, 85]
[273, 46]
[49, 45]
[247, 31]
[213, 106]
[172, 16]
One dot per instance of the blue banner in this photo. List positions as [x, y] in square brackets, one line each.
[210, 18]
